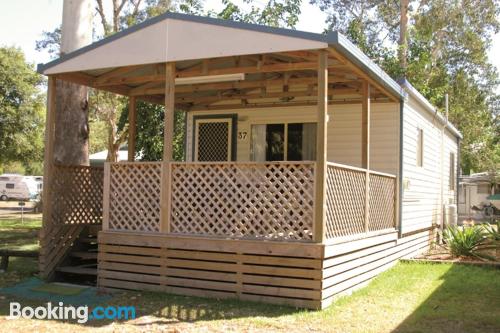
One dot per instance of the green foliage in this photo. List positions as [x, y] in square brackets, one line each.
[493, 231]
[150, 125]
[447, 53]
[98, 138]
[50, 42]
[274, 13]
[21, 111]
[466, 241]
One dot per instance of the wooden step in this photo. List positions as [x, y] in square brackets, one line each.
[84, 255]
[83, 270]
[90, 240]
[94, 229]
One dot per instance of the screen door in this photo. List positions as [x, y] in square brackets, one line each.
[213, 140]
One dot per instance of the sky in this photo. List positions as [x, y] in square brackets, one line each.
[23, 21]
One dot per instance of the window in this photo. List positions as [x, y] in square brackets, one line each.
[420, 147]
[283, 142]
[452, 172]
[9, 185]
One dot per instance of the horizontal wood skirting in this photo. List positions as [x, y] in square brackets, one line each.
[345, 272]
[279, 273]
[296, 274]
[264, 247]
[407, 234]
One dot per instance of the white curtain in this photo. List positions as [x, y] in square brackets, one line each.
[309, 142]
[258, 144]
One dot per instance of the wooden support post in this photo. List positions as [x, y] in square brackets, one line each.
[106, 194]
[48, 162]
[132, 127]
[365, 147]
[321, 141]
[167, 145]
[169, 111]
[48, 166]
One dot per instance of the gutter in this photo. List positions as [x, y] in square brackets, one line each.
[430, 108]
[344, 46]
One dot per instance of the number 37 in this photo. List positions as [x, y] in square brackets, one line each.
[242, 135]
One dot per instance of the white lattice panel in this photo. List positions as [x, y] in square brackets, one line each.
[382, 199]
[345, 202]
[254, 200]
[76, 195]
[134, 203]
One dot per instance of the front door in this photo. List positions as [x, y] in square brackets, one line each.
[213, 139]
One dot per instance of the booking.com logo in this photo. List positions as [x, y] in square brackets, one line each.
[68, 312]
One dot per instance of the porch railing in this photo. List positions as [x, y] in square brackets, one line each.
[74, 200]
[245, 200]
[222, 199]
[132, 191]
[76, 195]
[358, 201]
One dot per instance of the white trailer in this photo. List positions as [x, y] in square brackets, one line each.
[18, 187]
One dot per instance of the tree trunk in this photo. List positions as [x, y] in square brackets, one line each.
[71, 143]
[403, 43]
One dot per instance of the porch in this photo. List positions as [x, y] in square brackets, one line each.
[242, 230]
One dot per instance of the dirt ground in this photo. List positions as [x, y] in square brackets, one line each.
[11, 209]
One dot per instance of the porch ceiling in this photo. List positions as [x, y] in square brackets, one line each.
[279, 65]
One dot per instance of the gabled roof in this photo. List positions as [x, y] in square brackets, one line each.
[178, 37]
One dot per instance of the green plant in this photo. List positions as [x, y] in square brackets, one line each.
[493, 234]
[466, 242]
[493, 231]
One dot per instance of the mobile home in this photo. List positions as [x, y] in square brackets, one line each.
[307, 169]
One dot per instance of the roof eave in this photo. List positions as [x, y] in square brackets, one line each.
[340, 43]
[430, 108]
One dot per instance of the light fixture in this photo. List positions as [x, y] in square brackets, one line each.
[210, 78]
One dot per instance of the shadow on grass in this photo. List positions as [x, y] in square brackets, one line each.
[467, 300]
[151, 308]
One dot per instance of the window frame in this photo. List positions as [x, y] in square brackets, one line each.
[285, 136]
[420, 148]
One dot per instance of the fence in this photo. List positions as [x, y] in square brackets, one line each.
[245, 200]
[358, 201]
[76, 195]
[223, 199]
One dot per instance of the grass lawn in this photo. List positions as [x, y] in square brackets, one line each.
[411, 297]
[18, 235]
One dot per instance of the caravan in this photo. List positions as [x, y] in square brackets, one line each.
[18, 187]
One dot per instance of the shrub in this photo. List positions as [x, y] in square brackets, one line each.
[466, 241]
[493, 232]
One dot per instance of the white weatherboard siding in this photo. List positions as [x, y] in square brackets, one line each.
[422, 204]
[344, 131]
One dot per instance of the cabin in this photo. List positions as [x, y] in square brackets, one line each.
[307, 170]
[474, 191]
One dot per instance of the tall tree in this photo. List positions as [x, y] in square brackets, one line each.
[21, 111]
[442, 48]
[72, 130]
